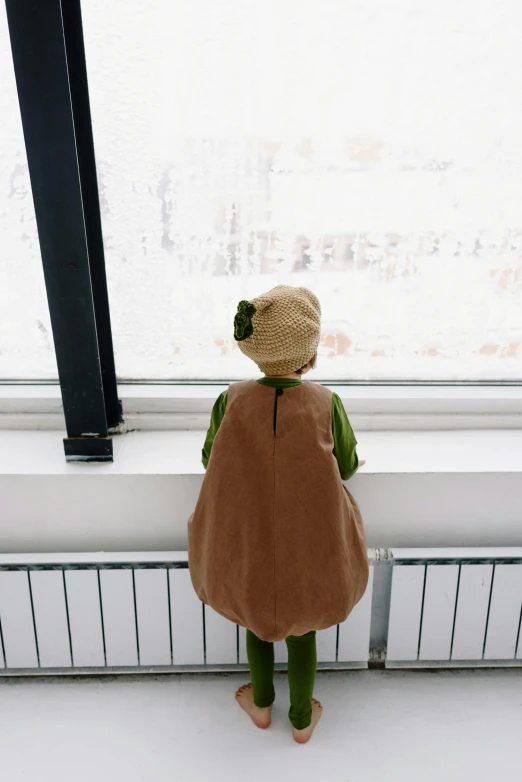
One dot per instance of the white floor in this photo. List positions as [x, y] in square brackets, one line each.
[377, 726]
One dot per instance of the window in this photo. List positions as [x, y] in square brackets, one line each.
[371, 151]
[26, 339]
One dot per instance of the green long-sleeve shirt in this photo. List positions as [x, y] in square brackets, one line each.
[344, 439]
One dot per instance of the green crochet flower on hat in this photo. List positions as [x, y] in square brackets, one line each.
[243, 327]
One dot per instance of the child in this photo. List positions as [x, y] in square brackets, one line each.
[276, 542]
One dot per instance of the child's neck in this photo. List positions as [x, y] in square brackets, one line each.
[292, 375]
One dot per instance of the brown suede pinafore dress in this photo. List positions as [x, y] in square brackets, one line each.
[276, 542]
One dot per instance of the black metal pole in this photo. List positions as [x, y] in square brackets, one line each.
[75, 50]
[52, 89]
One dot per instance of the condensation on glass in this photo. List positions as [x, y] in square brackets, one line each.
[26, 341]
[371, 151]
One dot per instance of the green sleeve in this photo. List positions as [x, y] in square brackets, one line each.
[344, 440]
[218, 411]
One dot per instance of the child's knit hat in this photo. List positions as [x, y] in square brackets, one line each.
[280, 329]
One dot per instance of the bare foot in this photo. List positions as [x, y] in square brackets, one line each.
[302, 736]
[261, 717]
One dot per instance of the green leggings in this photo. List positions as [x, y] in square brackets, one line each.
[302, 660]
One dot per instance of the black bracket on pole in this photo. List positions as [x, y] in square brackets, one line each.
[51, 77]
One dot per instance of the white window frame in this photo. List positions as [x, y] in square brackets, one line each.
[187, 406]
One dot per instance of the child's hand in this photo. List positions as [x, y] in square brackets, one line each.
[363, 461]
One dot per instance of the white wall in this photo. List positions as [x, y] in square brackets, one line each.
[60, 513]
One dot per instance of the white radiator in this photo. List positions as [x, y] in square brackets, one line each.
[101, 612]
[133, 612]
[456, 607]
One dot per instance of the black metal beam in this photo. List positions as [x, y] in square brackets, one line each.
[51, 79]
[75, 50]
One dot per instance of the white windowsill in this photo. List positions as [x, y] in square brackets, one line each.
[417, 489]
[178, 453]
[461, 486]
[186, 407]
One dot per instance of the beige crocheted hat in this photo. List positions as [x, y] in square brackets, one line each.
[280, 329]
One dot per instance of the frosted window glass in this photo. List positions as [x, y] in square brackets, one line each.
[26, 341]
[369, 150]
